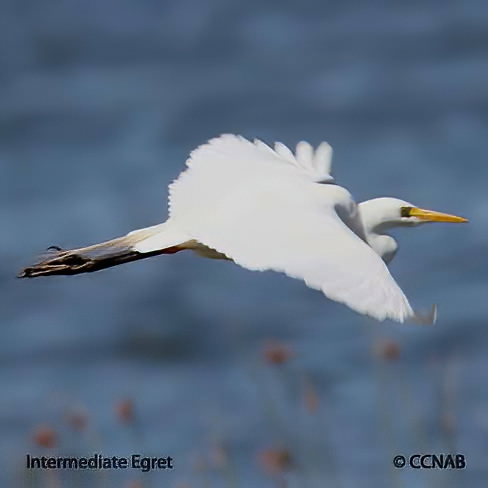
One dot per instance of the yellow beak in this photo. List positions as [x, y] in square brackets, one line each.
[431, 216]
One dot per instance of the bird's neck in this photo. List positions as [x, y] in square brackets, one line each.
[384, 245]
[375, 232]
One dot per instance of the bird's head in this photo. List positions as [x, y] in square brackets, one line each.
[381, 214]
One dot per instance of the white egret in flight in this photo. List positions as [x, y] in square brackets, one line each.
[269, 209]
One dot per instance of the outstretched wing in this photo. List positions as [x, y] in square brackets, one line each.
[238, 198]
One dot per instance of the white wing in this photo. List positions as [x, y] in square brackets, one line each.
[239, 198]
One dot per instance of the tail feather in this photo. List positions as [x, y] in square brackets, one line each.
[57, 261]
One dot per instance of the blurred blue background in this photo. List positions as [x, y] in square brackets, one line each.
[100, 104]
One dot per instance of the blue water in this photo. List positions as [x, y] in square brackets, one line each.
[100, 104]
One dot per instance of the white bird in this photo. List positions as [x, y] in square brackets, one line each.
[269, 209]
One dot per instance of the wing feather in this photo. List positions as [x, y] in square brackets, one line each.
[323, 159]
[304, 155]
[284, 152]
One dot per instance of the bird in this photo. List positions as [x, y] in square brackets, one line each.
[265, 207]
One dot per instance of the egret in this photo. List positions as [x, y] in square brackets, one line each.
[267, 208]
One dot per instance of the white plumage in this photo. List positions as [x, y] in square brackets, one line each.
[269, 209]
[264, 210]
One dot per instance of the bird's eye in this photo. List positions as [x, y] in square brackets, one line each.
[405, 211]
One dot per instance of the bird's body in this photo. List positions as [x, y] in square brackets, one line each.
[267, 208]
